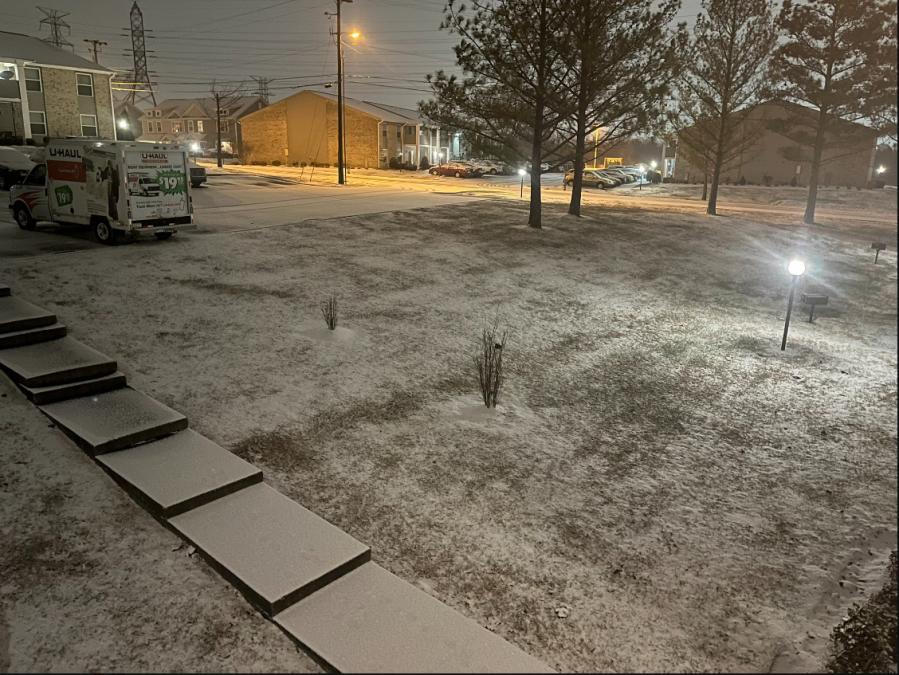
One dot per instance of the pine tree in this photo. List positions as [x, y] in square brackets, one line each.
[724, 72]
[510, 95]
[839, 65]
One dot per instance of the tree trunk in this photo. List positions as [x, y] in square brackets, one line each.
[577, 185]
[712, 208]
[705, 184]
[809, 217]
[535, 217]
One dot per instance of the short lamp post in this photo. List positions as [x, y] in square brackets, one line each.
[796, 269]
[522, 172]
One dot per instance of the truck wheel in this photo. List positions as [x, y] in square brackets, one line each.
[104, 233]
[163, 235]
[24, 219]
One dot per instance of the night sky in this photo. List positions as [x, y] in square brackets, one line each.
[286, 41]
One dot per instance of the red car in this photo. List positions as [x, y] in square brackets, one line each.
[457, 169]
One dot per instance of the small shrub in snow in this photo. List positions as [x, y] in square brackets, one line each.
[329, 311]
[276, 162]
[742, 180]
[489, 364]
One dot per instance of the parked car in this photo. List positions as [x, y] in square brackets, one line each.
[14, 166]
[457, 169]
[626, 175]
[197, 174]
[591, 179]
[494, 168]
[617, 179]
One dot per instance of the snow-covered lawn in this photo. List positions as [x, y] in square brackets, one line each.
[661, 475]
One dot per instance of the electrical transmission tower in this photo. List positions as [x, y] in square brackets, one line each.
[143, 90]
[54, 19]
[263, 90]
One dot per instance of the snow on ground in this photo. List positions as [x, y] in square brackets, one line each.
[662, 471]
[89, 582]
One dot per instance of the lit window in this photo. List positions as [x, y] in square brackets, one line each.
[33, 79]
[85, 82]
[89, 126]
[199, 125]
[223, 126]
[38, 123]
[176, 127]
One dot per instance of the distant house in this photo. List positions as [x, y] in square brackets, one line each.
[303, 128]
[782, 152]
[193, 120]
[48, 92]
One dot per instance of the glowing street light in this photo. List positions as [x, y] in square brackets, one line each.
[796, 268]
[195, 147]
[653, 164]
[881, 169]
[355, 35]
[522, 172]
[123, 123]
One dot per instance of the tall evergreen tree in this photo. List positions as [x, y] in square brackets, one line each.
[839, 65]
[620, 59]
[510, 94]
[725, 70]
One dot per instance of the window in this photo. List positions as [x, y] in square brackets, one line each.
[89, 126]
[199, 125]
[159, 127]
[33, 79]
[38, 123]
[190, 125]
[223, 126]
[85, 82]
[384, 132]
[148, 127]
[38, 175]
[222, 111]
[177, 127]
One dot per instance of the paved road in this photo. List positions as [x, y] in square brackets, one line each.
[237, 202]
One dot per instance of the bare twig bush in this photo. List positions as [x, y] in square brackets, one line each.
[489, 363]
[329, 311]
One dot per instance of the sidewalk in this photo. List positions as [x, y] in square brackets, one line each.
[90, 582]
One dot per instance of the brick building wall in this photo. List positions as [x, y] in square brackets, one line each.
[361, 135]
[63, 106]
[777, 159]
[265, 134]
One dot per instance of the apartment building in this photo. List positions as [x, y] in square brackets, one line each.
[48, 92]
[193, 121]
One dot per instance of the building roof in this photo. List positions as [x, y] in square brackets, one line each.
[179, 106]
[385, 113]
[15, 46]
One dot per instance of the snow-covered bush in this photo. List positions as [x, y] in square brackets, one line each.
[489, 364]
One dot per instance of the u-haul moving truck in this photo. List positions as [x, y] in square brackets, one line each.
[113, 186]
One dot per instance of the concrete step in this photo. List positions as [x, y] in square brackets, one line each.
[61, 392]
[5, 291]
[179, 472]
[270, 548]
[370, 621]
[114, 420]
[54, 362]
[32, 336]
[17, 314]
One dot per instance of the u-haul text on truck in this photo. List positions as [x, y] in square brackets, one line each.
[114, 186]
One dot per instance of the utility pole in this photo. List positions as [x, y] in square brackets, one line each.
[96, 43]
[54, 19]
[341, 169]
[262, 83]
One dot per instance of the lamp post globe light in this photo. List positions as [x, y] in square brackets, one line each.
[522, 172]
[796, 268]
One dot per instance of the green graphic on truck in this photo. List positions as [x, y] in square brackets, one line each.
[64, 195]
[171, 181]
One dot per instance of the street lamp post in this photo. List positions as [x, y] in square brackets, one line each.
[796, 269]
[522, 172]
